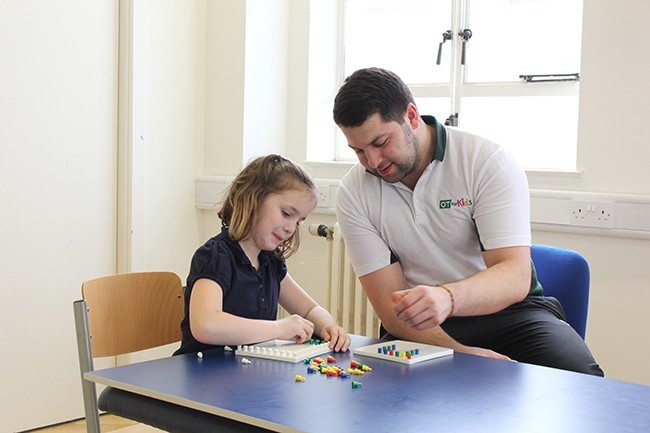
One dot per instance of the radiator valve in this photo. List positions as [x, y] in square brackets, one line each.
[321, 230]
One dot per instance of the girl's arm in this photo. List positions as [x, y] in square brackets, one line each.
[211, 325]
[296, 301]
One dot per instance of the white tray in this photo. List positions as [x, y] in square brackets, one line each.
[283, 350]
[426, 351]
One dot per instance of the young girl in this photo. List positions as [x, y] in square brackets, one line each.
[238, 277]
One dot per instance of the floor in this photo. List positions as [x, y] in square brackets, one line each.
[109, 423]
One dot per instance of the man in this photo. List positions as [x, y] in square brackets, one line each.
[437, 225]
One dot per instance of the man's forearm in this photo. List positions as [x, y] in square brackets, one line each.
[438, 337]
[434, 336]
[504, 282]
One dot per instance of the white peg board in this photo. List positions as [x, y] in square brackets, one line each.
[283, 350]
[426, 351]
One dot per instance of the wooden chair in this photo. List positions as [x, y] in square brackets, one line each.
[121, 314]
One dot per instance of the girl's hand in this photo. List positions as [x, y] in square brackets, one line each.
[295, 327]
[337, 336]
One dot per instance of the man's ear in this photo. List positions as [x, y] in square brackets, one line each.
[412, 115]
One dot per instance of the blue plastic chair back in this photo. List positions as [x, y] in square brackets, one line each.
[564, 274]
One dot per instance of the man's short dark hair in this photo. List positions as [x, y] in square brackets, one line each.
[369, 91]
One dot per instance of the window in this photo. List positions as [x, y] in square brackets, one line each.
[505, 69]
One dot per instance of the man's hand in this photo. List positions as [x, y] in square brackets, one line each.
[422, 307]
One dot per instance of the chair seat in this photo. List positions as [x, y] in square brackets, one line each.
[167, 416]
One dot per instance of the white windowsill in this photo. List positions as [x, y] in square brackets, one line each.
[574, 174]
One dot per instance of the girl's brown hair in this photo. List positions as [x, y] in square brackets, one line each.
[262, 177]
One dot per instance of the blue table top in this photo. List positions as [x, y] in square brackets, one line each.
[462, 393]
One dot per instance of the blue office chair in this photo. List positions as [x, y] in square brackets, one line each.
[564, 274]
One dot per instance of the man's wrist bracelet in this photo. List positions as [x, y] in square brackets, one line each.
[451, 297]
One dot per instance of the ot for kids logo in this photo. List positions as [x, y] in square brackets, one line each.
[461, 202]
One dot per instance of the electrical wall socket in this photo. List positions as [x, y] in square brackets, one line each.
[326, 195]
[323, 196]
[598, 214]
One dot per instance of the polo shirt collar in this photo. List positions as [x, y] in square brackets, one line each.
[441, 137]
[239, 254]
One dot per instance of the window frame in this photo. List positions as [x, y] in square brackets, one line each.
[330, 165]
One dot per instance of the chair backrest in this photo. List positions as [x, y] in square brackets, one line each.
[133, 311]
[564, 274]
[121, 314]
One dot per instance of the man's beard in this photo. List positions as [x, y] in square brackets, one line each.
[413, 158]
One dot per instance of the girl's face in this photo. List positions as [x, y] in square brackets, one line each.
[279, 217]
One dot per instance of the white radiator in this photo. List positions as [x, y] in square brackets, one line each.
[347, 301]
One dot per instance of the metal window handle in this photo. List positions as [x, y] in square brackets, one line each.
[540, 78]
[466, 35]
[446, 36]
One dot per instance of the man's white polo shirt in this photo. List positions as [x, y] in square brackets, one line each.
[472, 196]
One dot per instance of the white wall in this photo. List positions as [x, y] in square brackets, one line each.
[613, 154]
[172, 67]
[266, 79]
[225, 77]
[247, 82]
[58, 175]
[59, 164]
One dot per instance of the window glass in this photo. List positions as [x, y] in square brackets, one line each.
[343, 151]
[437, 107]
[522, 37]
[401, 36]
